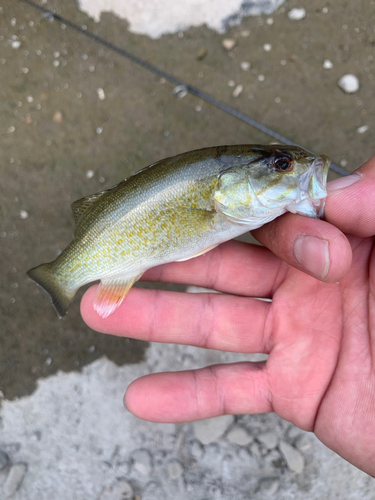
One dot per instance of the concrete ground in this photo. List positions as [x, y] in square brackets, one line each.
[75, 118]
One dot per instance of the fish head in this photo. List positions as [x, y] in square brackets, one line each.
[276, 179]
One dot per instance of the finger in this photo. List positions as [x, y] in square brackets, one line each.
[351, 201]
[313, 246]
[204, 320]
[193, 395]
[233, 267]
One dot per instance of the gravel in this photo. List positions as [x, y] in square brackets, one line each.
[211, 429]
[14, 479]
[349, 84]
[293, 458]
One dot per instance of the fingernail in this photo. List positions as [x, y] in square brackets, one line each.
[313, 254]
[343, 182]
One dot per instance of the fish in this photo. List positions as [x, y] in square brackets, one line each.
[176, 209]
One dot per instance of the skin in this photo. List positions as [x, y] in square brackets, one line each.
[319, 333]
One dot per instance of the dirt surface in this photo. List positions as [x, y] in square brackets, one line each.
[59, 141]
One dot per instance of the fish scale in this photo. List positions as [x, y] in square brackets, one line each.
[176, 209]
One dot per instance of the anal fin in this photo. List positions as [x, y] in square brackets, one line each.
[202, 252]
[111, 293]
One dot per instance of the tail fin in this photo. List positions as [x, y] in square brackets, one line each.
[44, 276]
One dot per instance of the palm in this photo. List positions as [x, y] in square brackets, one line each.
[321, 366]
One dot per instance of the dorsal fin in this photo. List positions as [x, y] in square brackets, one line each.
[82, 206]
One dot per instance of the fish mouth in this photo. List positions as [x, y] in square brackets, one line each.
[317, 189]
[312, 185]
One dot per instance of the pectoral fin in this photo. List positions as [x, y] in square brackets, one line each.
[111, 293]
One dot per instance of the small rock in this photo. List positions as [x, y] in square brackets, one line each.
[297, 14]
[56, 63]
[268, 439]
[363, 129]
[237, 91]
[196, 449]
[211, 429]
[294, 458]
[245, 66]
[24, 215]
[293, 432]
[48, 361]
[202, 52]
[180, 91]
[349, 84]
[327, 64]
[57, 117]
[15, 44]
[228, 43]
[142, 462]
[99, 130]
[4, 460]
[303, 442]
[261, 78]
[14, 479]
[175, 469]
[267, 47]
[101, 94]
[90, 174]
[269, 485]
[255, 449]
[122, 490]
[231, 83]
[239, 435]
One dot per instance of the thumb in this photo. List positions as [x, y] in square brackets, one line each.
[350, 204]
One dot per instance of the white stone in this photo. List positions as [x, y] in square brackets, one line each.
[101, 94]
[16, 44]
[231, 83]
[261, 78]
[239, 435]
[349, 84]
[237, 91]
[142, 462]
[267, 47]
[228, 43]
[363, 129]
[211, 429]
[175, 469]
[245, 66]
[196, 449]
[90, 174]
[294, 458]
[269, 439]
[24, 215]
[297, 14]
[327, 64]
[303, 442]
[269, 485]
[14, 479]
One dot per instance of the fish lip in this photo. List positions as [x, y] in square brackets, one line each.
[321, 167]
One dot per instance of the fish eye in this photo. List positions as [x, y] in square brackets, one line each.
[283, 164]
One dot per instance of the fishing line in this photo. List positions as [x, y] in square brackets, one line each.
[176, 81]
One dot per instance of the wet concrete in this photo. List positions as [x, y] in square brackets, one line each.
[55, 130]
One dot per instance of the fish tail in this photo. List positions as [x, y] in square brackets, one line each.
[44, 276]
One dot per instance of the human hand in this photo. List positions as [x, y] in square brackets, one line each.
[319, 334]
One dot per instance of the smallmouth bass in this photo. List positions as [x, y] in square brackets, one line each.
[177, 209]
